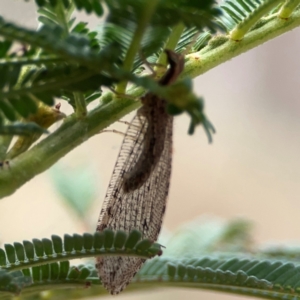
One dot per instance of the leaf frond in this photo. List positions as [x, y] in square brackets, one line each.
[74, 48]
[36, 252]
[89, 6]
[245, 275]
[57, 15]
[271, 279]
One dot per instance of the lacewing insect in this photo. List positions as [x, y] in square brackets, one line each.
[138, 189]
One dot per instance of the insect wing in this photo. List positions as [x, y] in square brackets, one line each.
[111, 215]
[142, 209]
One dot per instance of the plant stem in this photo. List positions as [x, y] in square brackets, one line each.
[80, 104]
[5, 141]
[172, 42]
[134, 47]
[243, 27]
[287, 8]
[205, 60]
[73, 132]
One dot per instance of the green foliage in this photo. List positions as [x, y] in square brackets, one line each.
[44, 263]
[10, 73]
[244, 15]
[36, 252]
[89, 5]
[66, 59]
[78, 64]
[288, 8]
[37, 265]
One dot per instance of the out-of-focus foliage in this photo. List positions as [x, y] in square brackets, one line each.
[77, 187]
[206, 253]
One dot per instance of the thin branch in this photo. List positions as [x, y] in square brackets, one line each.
[136, 40]
[80, 105]
[172, 42]
[73, 132]
[205, 60]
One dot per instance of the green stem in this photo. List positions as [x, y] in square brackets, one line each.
[137, 39]
[80, 104]
[287, 8]
[172, 42]
[243, 27]
[205, 60]
[73, 132]
[73, 288]
[5, 141]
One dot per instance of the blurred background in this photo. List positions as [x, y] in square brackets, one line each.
[251, 170]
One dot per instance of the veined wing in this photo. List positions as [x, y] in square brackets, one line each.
[141, 209]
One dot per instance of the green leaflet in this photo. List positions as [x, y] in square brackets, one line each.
[45, 262]
[44, 265]
[36, 252]
[245, 276]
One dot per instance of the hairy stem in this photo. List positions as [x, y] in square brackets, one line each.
[80, 104]
[209, 57]
[172, 42]
[243, 27]
[287, 8]
[73, 132]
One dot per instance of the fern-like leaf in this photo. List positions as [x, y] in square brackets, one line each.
[37, 252]
[245, 276]
[269, 279]
[88, 5]
[59, 14]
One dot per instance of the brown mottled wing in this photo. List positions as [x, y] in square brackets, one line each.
[142, 209]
